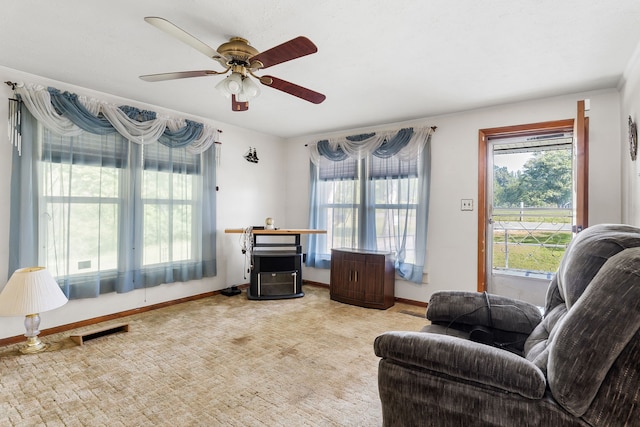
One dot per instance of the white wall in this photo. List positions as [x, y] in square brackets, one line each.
[452, 236]
[278, 187]
[248, 194]
[630, 106]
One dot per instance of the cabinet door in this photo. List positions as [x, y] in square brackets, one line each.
[357, 276]
[374, 292]
[348, 275]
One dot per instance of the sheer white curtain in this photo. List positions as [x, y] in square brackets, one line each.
[371, 192]
[79, 205]
[106, 214]
[116, 216]
[335, 206]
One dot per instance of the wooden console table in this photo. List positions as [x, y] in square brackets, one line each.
[280, 231]
[276, 265]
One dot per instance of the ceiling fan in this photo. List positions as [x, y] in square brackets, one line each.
[242, 60]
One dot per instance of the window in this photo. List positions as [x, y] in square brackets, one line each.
[375, 203]
[338, 197]
[113, 215]
[395, 190]
[80, 202]
[169, 204]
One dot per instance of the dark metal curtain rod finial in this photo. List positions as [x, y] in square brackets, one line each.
[12, 84]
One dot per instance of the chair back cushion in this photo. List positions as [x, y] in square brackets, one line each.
[584, 257]
[591, 313]
[582, 260]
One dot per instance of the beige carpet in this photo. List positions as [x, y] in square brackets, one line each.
[218, 361]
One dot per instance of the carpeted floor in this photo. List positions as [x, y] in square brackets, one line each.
[218, 361]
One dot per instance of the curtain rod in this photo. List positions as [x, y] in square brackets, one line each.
[433, 128]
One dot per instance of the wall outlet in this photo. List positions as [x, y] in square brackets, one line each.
[466, 204]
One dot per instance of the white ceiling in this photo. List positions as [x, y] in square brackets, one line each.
[377, 62]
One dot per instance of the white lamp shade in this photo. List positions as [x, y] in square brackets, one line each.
[249, 89]
[232, 84]
[222, 88]
[30, 291]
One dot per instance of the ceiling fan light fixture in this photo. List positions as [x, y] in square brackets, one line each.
[232, 85]
[249, 89]
[222, 89]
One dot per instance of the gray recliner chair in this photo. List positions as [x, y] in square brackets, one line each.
[487, 360]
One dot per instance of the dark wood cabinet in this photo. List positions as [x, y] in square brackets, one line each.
[363, 278]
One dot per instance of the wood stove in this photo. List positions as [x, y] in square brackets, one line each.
[277, 267]
[276, 262]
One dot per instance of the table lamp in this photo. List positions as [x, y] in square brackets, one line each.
[28, 292]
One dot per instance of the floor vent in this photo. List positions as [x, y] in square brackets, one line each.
[97, 333]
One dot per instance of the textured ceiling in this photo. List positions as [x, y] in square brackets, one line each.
[377, 62]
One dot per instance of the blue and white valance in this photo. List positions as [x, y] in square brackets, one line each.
[406, 143]
[69, 114]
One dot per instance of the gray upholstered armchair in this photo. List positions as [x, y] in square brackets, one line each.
[578, 365]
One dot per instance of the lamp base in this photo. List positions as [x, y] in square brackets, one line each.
[34, 345]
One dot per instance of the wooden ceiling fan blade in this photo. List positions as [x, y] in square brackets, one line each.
[296, 48]
[237, 105]
[178, 75]
[177, 32]
[293, 89]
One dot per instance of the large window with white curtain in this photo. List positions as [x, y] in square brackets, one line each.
[371, 192]
[392, 187]
[98, 209]
[111, 207]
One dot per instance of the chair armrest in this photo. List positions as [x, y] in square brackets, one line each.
[464, 360]
[471, 308]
